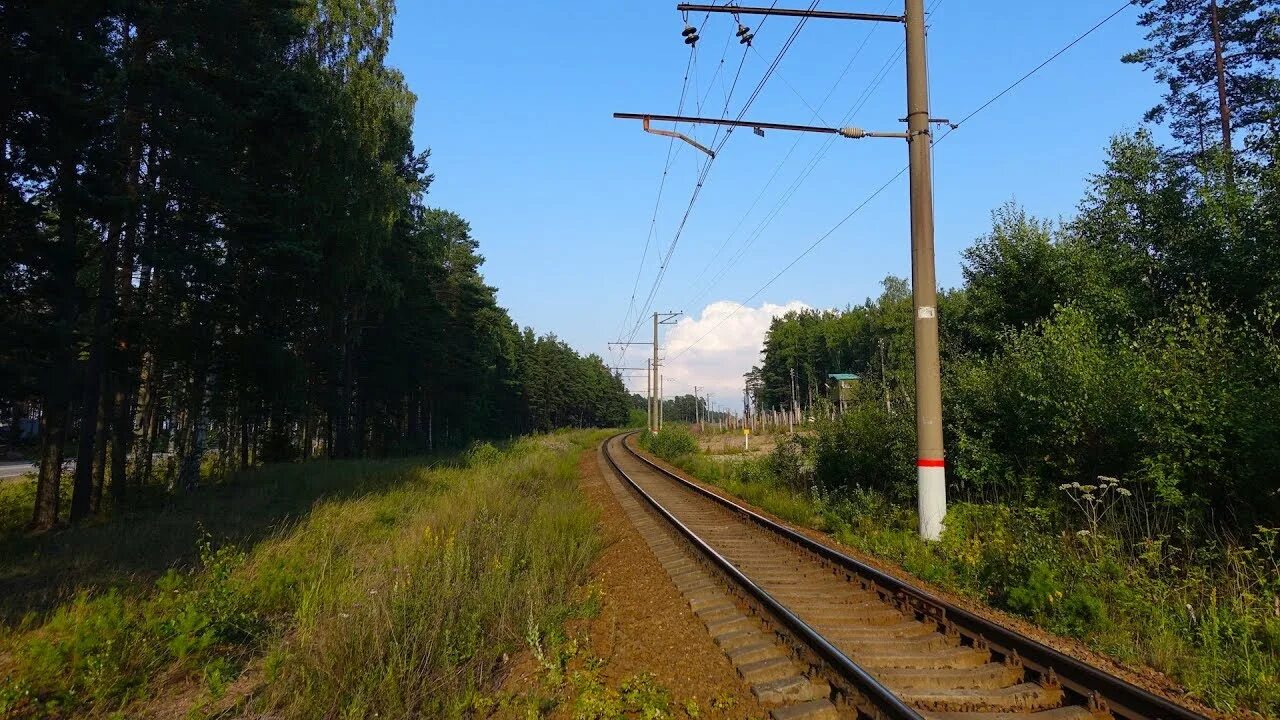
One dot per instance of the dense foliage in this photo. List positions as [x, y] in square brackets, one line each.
[1138, 340]
[214, 244]
[1109, 390]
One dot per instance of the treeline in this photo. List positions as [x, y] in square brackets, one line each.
[216, 250]
[680, 408]
[1138, 340]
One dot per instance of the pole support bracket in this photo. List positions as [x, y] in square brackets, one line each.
[680, 136]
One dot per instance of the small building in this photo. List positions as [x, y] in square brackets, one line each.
[842, 388]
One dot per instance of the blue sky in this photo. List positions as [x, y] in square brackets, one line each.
[515, 101]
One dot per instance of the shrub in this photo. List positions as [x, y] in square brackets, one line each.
[670, 443]
[867, 447]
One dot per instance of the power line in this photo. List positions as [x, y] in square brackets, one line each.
[697, 190]
[1039, 67]
[897, 175]
[799, 180]
[792, 264]
[810, 167]
[653, 221]
[667, 168]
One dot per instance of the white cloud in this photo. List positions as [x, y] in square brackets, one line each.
[715, 348]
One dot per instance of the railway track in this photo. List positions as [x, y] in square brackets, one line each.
[819, 634]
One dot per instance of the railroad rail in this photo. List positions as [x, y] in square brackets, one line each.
[885, 649]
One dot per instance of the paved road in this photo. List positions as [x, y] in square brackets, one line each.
[10, 469]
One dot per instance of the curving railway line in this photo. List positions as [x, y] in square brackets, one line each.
[818, 634]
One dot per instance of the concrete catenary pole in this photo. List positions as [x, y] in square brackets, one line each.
[930, 467]
[648, 388]
[656, 410]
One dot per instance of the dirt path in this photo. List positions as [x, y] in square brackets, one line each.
[645, 625]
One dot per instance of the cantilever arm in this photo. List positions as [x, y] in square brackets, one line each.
[682, 136]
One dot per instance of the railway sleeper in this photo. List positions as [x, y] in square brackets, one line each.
[903, 629]
[1067, 712]
[1024, 697]
[950, 658]
[863, 645]
[990, 676]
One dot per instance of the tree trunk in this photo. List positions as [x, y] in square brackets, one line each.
[53, 435]
[1224, 108]
[244, 441]
[146, 413]
[193, 451]
[105, 410]
[56, 418]
[82, 486]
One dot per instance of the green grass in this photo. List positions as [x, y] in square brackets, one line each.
[331, 590]
[1210, 620]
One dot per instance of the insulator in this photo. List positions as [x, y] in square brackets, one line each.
[746, 39]
[742, 30]
[688, 30]
[691, 40]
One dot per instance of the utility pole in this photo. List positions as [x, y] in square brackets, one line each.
[657, 410]
[795, 401]
[884, 381]
[655, 398]
[930, 466]
[697, 412]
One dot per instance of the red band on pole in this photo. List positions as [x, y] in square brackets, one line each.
[926, 462]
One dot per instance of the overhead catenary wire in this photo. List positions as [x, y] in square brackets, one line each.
[1039, 67]
[854, 109]
[795, 185]
[821, 238]
[706, 170]
[672, 152]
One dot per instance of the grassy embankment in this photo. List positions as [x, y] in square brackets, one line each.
[1212, 623]
[328, 589]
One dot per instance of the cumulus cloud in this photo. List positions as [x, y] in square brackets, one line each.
[714, 349]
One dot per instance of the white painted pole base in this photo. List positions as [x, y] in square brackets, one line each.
[933, 500]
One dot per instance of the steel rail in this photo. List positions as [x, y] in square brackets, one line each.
[890, 705]
[1107, 691]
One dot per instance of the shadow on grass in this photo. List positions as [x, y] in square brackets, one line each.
[130, 549]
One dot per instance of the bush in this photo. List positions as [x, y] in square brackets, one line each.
[792, 462]
[867, 447]
[1182, 410]
[670, 443]
[101, 651]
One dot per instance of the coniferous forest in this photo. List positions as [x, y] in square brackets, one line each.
[218, 252]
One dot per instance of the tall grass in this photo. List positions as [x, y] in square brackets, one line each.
[398, 600]
[414, 623]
